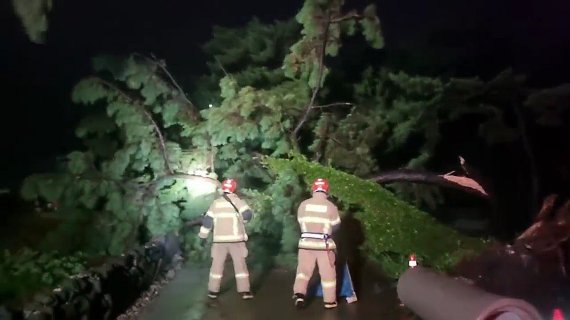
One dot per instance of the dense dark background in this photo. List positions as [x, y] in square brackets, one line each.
[442, 37]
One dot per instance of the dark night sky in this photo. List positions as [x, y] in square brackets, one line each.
[38, 118]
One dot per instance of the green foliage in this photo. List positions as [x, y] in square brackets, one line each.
[391, 108]
[507, 93]
[393, 111]
[132, 182]
[276, 209]
[142, 134]
[371, 28]
[393, 228]
[252, 55]
[324, 22]
[34, 17]
[401, 115]
[26, 271]
[260, 117]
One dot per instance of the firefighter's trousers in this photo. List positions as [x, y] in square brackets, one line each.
[325, 259]
[238, 252]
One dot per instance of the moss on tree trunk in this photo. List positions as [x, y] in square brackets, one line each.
[393, 228]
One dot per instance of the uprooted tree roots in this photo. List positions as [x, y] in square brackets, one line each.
[534, 267]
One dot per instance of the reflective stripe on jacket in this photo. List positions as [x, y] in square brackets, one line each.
[227, 224]
[317, 216]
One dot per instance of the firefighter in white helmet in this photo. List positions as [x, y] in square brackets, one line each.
[227, 217]
[318, 219]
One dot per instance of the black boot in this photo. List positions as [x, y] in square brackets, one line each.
[299, 300]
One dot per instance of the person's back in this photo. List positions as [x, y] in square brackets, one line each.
[226, 217]
[318, 219]
[317, 216]
[229, 226]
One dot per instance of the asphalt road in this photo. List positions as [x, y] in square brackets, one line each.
[185, 299]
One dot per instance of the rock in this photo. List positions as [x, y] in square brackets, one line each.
[170, 274]
[107, 287]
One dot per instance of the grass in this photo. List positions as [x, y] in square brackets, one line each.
[25, 267]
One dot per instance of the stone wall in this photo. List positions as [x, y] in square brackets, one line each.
[106, 291]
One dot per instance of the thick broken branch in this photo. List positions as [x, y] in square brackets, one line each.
[463, 183]
[425, 177]
[317, 88]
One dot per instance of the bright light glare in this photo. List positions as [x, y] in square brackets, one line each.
[201, 184]
[210, 105]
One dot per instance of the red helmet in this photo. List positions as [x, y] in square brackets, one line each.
[229, 185]
[321, 185]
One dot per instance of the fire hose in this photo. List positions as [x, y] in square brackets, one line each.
[433, 296]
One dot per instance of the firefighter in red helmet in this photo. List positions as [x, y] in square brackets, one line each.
[227, 217]
[318, 219]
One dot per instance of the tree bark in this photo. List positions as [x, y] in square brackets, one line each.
[447, 180]
[532, 168]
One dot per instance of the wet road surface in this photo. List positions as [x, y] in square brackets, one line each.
[185, 298]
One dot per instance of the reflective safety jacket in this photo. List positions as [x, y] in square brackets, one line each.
[318, 219]
[228, 225]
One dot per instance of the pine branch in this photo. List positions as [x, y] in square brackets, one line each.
[211, 156]
[322, 136]
[335, 104]
[135, 102]
[316, 90]
[222, 66]
[349, 16]
[335, 140]
[192, 109]
[99, 177]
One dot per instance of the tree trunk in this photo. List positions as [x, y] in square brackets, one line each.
[447, 180]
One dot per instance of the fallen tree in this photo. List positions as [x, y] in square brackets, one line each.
[393, 228]
[533, 267]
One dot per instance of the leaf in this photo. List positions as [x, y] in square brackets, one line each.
[78, 162]
[371, 27]
[88, 91]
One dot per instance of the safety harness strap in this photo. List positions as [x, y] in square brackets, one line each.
[314, 235]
